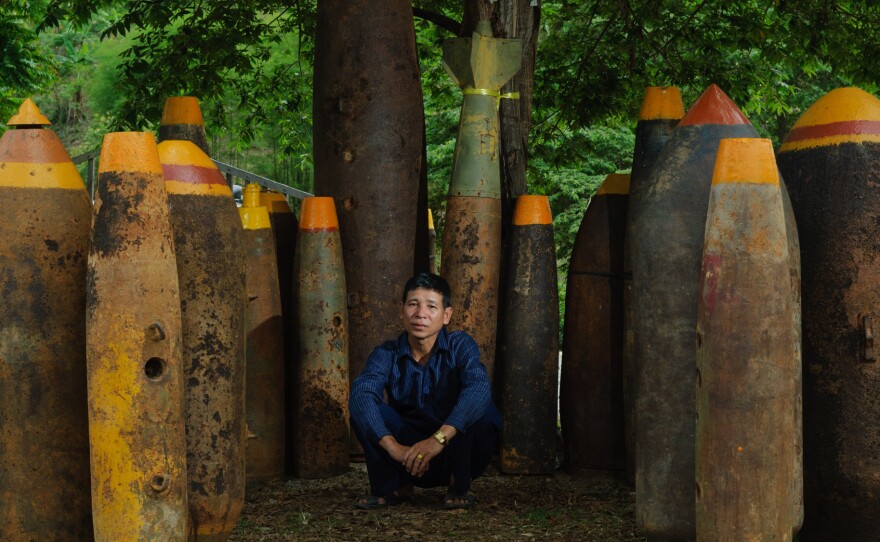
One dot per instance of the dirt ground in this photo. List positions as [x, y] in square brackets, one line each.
[557, 507]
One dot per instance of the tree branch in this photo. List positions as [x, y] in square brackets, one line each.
[439, 19]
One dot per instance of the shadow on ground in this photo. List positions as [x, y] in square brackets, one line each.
[557, 507]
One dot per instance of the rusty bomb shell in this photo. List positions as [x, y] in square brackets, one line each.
[529, 346]
[264, 354]
[320, 324]
[284, 227]
[135, 361]
[830, 161]
[471, 251]
[661, 110]
[667, 239]
[368, 142]
[44, 447]
[591, 389]
[211, 272]
[748, 359]
[182, 120]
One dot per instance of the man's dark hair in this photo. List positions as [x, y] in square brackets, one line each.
[429, 281]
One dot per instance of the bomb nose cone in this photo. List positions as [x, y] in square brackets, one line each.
[713, 107]
[532, 210]
[133, 152]
[430, 220]
[661, 103]
[28, 115]
[254, 215]
[182, 110]
[318, 213]
[615, 183]
[745, 160]
[843, 115]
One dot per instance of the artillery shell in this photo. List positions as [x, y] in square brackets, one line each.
[182, 120]
[44, 447]
[320, 323]
[135, 362]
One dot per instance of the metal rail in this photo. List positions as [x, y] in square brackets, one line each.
[229, 171]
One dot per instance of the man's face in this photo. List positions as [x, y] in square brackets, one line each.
[423, 314]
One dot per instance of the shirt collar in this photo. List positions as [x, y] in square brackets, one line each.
[403, 343]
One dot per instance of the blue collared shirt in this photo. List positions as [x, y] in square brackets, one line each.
[452, 388]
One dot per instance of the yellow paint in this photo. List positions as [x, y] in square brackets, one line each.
[28, 115]
[182, 110]
[134, 152]
[62, 175]
[253, 215]
[430, 220]
[184, 153]
[828, 141]
[531, 210]
[745, 160]
[275, 202]
[841, 105]
[318, 213]
[178, 187]
[662, 103]
[615, 183]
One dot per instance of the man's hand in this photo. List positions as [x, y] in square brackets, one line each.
[396, 450]
[419, 455]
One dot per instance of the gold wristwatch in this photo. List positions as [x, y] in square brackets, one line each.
[441, 438]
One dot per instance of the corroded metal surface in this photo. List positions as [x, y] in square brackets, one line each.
[529, 353]
[182, 120]
[667, 243]
[748, 356]
[44, 448]
[651, 135]
[591, 394]
[832, 174]
[264, 359]
[321, 326]
[471, 263]
[211, 271]
[368, 142]
[135, 372]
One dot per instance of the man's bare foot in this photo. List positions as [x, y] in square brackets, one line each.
[455, 500]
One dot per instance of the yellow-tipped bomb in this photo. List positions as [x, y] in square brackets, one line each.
[182, 120]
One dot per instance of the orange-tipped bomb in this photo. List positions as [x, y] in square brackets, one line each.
[661, 110]
[211, 271]
[830, 161]
[667, 240]
[748, 355]
[591, 394]
[320, 324]
[182, 120]
[432, 240]
[44, 448]
[264, 357]
[529, 346]
[135, 362]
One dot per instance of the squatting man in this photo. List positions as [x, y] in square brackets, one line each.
[439, 425]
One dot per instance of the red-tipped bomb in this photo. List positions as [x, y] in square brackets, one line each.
[667, 239]
[211, 271]
[661, 110]
[748, 359]
[182, 120]
[264, 359]
[135, 361]
[44, 448]
[830, 161]
[321, 327]
[529, 345]
[591, 394]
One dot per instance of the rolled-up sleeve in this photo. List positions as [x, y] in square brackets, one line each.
[476, 390]
[367, 393]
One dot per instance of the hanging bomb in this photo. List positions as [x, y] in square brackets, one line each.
[667, 239]
[529, 346]
[471, 251]
[320, 324]
[591, 394]
[264, 354]
[44, 448]
[368, 141]
[135, 362]
[211, 272]
[182, 120]
[748, 359]
[661, 110]
[829, 160]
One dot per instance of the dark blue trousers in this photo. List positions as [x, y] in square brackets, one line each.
[464, 459]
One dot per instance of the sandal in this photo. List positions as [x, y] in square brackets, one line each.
[371, 502]
[468, 500]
